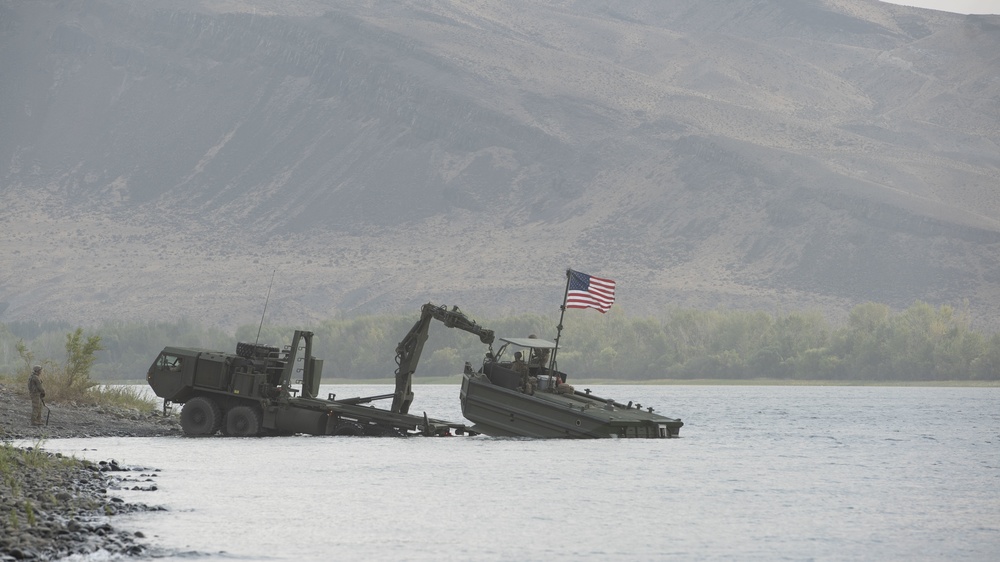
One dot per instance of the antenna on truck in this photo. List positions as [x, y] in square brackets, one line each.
[265, 306]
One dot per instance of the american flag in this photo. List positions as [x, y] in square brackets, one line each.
[586, 291]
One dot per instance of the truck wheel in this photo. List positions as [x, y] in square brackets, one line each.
[348, 428]
[200, 416]
[379, 431]
[242, 421]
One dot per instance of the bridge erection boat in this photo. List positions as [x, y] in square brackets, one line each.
[518, 398]
[525, 394]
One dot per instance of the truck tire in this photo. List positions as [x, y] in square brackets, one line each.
[348, 428]
[243, 421]
[200, 416]
[392, 432]
[379, 431]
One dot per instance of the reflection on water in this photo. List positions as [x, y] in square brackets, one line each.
[760, 473]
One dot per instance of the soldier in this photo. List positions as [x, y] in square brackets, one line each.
[528, 383]
[518, 365]
[539, 356]
[560, 385]
[37, 394]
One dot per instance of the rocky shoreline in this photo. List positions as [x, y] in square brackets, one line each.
[51, 506]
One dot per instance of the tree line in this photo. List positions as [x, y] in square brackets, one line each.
[920, 343]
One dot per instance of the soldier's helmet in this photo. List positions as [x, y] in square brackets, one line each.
[36, 369]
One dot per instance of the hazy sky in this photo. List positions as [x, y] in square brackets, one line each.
[959, 6]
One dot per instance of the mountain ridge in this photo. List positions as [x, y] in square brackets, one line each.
[163, 161]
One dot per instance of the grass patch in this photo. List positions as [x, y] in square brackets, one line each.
[19, 468]
[13, 458]
[112, 395]
[121, 396]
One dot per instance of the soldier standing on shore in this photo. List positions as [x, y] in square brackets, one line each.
[37, 394]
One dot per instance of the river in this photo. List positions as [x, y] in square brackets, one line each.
[760, 473]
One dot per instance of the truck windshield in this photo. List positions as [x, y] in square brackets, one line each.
[169, 363]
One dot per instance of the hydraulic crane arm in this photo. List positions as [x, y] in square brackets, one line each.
[408, 351]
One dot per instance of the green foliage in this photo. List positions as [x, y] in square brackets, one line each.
[29, 512]
[25, 354]
[80, 356]
[127, 348]
[921, 343]
[72, 380]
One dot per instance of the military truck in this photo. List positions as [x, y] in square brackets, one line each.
[251, 392]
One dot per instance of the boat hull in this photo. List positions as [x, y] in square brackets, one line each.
[504, 412]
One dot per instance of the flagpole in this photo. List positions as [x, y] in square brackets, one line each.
[552, 360]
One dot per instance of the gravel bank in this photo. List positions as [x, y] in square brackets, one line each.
[69, 420]
[52, 507]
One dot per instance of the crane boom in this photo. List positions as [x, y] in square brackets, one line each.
[409, 349]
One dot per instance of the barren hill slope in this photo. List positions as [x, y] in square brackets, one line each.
[160, 160]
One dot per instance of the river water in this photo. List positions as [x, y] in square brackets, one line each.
[760, 473]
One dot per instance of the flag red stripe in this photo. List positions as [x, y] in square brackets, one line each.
[600, 294]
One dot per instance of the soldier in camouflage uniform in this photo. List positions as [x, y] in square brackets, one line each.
[560, 385]
[521, 368]
[37, 394]
[539, 356]
[518, 365]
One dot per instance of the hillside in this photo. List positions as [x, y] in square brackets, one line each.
[161, 160]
